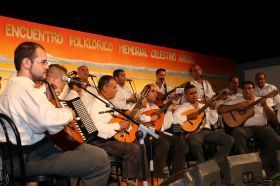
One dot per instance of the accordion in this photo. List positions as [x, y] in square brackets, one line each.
[83, 122]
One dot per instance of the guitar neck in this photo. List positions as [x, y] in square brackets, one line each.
[204, 107]
[165, 107]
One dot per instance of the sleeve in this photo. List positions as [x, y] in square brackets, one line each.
[40, 113]
[212, 116]
[178, 117]
[168, 120]
[102, 122]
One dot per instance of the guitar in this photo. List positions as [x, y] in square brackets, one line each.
[160, 112]
[161, 97]
[69, 138]
[236, 118]
[129, 135]
[194, 125]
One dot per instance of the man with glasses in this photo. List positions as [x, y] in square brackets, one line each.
[34, 114]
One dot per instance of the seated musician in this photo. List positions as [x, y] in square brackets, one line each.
[34, 114]
[254, 125]
[202, 133]
[129, 152]
[166, 145]
[124, 98]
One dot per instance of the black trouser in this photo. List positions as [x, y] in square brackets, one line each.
[168, 146]
[270, 142]
[197, 139]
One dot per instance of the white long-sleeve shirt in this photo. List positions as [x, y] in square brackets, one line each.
[101, 121]
[121, 96]
[209, 93]
[210, 119]
[31, 111]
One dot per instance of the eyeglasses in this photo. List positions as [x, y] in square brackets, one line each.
[43, 62]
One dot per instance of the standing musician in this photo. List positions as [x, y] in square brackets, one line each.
[203, 133]
[162, 88]
[255, 126]
[83, 74]
[33, 114]
[166, 144]
[124, 98]
[129, 152]
[204, 88]
[264, 88]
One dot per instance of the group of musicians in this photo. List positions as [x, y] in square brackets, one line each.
[32, 100]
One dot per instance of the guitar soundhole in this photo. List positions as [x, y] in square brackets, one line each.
[122, 135]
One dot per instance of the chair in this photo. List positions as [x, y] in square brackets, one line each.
[116, 169]
[14, 152]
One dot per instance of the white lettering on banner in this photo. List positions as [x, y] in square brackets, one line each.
[33, 34]
[95, 44]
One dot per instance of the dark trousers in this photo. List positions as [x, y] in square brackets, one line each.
[130, 154]
[167, 146]
[87, 162]
[270, 142]
[197, 139]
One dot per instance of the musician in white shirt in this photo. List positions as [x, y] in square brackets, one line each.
[33, 115]
[129, 152]
[203, 133]
[87, 98]
[166, 144]
[204, 88]
[124, 98]
[255, 126]
[162, 87]
[263, 88]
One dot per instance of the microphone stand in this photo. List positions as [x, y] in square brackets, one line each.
[203, 89]
[140, 134]
[93, 81]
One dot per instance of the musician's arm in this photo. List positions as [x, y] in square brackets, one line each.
[270, 114]
[177, 115]
[43, 115]
[168, 120]
[101, 121]
[228, 108]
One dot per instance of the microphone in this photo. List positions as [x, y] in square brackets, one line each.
[69, 80]
[90, 75]
[107, 111]
[129, 80]
[72, 73]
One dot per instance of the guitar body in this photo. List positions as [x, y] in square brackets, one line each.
[155, 124]
[237, 118]
[193, 125]
[68, 138]
[130, 135]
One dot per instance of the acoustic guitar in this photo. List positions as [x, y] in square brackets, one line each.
[161, 97]
[236, 118]
[128, 135]
[194, 125]
[160, 112]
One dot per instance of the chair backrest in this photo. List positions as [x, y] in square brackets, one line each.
[6, 124]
